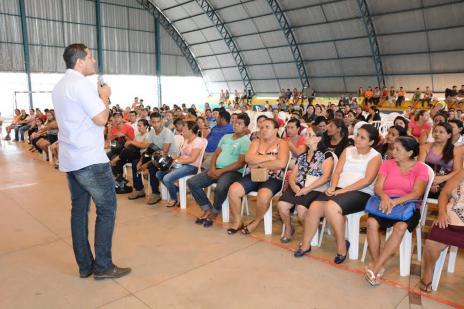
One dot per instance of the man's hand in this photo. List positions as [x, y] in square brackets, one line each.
[214, 173]
[104, 92]
[119, 134]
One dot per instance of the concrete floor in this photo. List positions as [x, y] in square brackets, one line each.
[176, 264]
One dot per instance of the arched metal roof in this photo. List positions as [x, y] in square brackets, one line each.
[343, 44]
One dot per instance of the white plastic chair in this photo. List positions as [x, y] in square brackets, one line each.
[225, 204]
[268, 214]
[406, 242]
[377, 124]
[453, 252]
[183, 180]
[178, 142]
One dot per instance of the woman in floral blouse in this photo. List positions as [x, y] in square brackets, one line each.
[308, 179]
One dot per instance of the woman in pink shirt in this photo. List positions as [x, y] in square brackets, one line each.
[420, 126]
[187, 163]
[399, 180]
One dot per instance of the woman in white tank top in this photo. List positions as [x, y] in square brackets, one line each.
[351, 186]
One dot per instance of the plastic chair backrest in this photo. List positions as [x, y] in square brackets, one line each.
[335, 161]
[376, 124]
[178, 142]
[423, 208]
[285, 172]
[202, 153]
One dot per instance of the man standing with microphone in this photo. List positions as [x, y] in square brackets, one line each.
[81, 112]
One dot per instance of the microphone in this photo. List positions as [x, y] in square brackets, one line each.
[102, 83]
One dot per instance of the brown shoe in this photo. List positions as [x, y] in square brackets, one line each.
[136, 194]
[112, 273]
[153, 199]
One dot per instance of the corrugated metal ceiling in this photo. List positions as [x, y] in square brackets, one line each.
[419, 41]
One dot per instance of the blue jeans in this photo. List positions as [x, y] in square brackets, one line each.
[168, 178]
[198, 182]
[16, 131]
[137, 178]
[96, 182]
[22, 130]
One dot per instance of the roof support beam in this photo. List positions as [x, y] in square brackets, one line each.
[158, 60]
[288, 32]
[27, 62]
[98, 28]
[176, 36]
[209, 10]
[374, 44]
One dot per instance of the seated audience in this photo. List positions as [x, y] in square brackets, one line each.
[402, 122]
[386, 150]
[259, 122]
[457, 139]
[400, 179]
[187, 163]
[308, 179]
[131, 153]
[335, 139]
[320, 125]
[441, 156]
[159, 138]
[120, 132]
[221, 128]
[447, 229]
[352, 184]
[203, 125]
[226, 168]
[420, 126]
[267, 154]
[14, 122]
[296, 142]
[47, 135]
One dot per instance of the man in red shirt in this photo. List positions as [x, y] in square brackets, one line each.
[120, 128]
[120, 132]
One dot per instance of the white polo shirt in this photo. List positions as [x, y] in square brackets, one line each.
[76, 102]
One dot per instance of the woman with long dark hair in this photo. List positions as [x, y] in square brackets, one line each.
[441, 156]
[394, 132]
[336, 137]
[310, 114]
[402, 122]
[420, 126]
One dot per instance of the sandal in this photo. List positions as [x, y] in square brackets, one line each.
[200, 220]
[285, 239]
[231, 231]
[245, 230]
[425, 287]
[370, 277]
[208, 222]
[172, 204]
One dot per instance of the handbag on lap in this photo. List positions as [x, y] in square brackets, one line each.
[401, 212]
